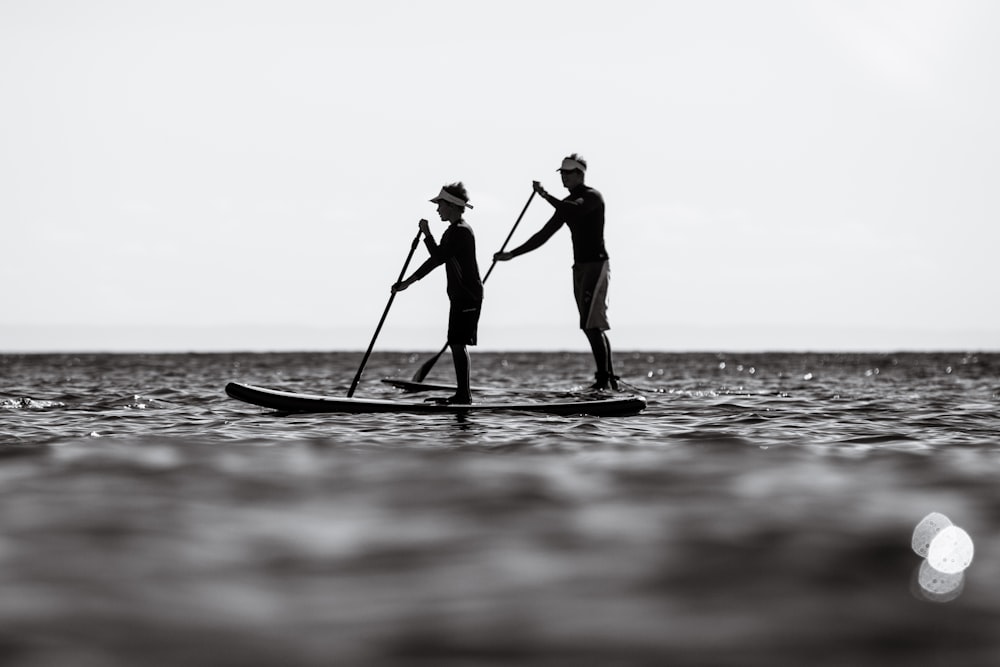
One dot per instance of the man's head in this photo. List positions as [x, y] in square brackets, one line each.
[452, 202]
[573, 170]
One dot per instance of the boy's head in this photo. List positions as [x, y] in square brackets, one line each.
[452, 201]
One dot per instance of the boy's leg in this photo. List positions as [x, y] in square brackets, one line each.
[463, 322]
[463, 373]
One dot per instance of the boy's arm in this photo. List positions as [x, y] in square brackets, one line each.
[434, 261]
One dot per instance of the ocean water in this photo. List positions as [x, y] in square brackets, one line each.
[761, 511]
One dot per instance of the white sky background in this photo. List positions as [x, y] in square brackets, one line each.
[200, 175]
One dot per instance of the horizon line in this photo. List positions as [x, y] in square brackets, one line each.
[672, 338]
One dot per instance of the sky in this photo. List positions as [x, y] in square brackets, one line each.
[203, 175]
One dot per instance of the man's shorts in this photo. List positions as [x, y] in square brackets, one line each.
[463, 323]
[590, 286]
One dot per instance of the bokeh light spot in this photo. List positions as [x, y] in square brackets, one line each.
[938, 586]
[927, 530]
[947, 551]
[951, 550]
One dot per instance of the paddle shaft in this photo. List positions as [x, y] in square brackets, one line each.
[429, 364]
[509, 236]
[378, 329]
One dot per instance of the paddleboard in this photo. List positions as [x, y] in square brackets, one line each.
[412, 386]
[286, 401]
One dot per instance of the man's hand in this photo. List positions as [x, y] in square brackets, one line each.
[400, 286]
[424, 227]
[503, 257]
[539, 189]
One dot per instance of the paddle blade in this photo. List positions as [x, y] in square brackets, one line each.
[426, 367]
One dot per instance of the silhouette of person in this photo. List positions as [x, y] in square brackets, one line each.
[457, 251]
[583, 212]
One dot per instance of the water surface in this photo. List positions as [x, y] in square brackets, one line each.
[760, 512]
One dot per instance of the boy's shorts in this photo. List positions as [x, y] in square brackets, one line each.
[463, 323]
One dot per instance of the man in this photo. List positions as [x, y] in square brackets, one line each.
[583, 212]
[457, 251]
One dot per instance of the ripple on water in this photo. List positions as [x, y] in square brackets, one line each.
[204, 527]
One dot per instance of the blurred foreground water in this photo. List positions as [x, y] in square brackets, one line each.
[760, 512]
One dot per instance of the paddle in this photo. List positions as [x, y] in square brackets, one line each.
[402, 273]
[426, 367]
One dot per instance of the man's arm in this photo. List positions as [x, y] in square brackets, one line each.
[536, 241]
[568, 207]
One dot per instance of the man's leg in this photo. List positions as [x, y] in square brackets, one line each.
[601, 348]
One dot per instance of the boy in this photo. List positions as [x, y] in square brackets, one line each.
[457, 251]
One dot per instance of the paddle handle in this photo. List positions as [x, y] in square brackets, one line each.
[385, 313]
[512, 230]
